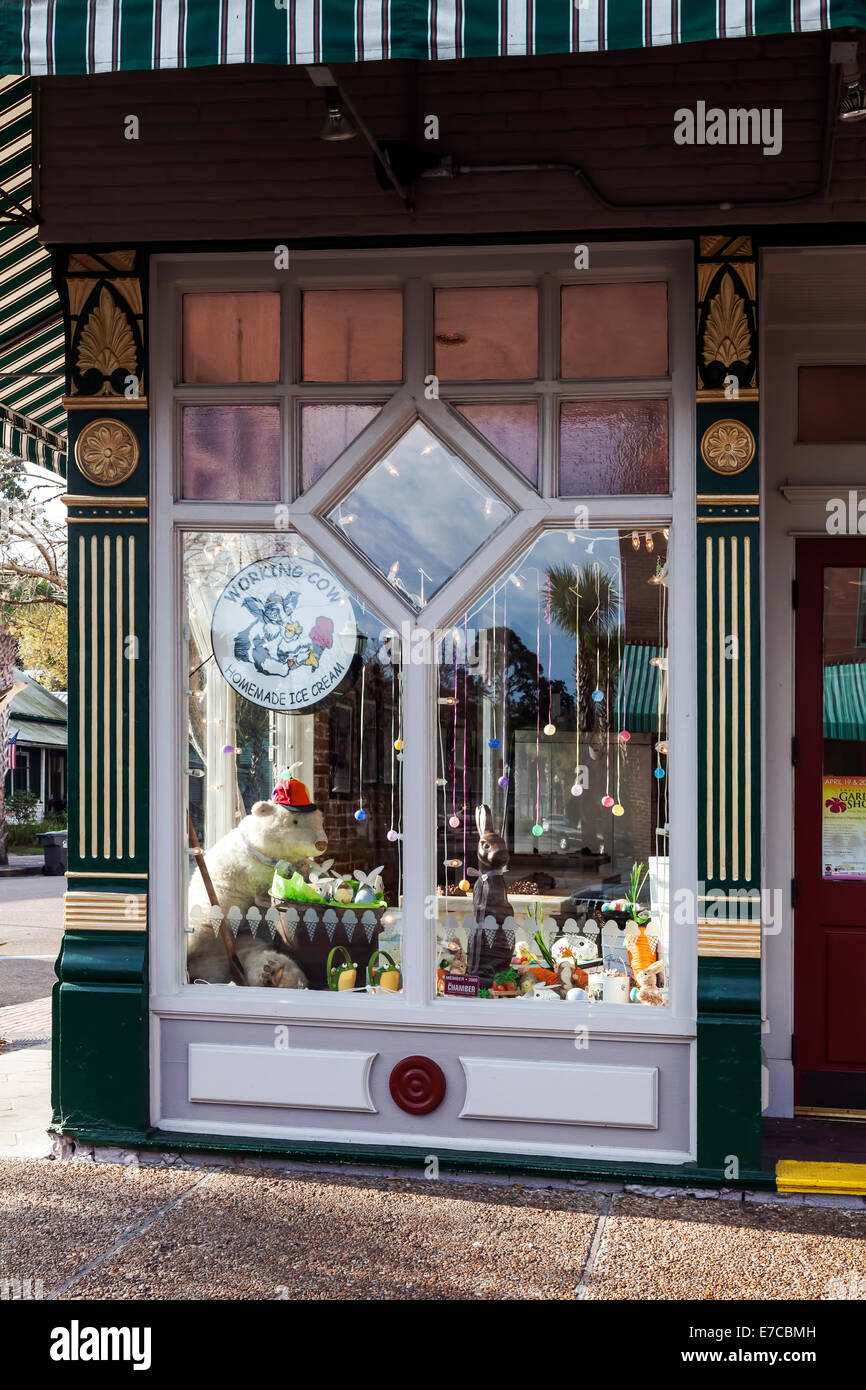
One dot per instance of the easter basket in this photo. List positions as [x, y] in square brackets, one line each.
[310, 931]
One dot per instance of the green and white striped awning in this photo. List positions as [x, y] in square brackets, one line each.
[845, 701]
[32, 419]
[637, 705]
[77, 36]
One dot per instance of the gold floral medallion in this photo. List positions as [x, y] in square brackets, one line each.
[728, 447]
[107, 452]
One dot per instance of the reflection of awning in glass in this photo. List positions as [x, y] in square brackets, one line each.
[845, 701]
[638, 708]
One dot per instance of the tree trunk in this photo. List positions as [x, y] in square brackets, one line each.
[8, 653]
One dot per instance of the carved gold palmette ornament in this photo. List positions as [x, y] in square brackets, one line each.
[105, 312]
[728, 447]
[106, 452]
[106, 343]
[727, 338]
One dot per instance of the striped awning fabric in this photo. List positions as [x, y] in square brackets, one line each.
[845, 701]
[640, 704]
[32, 419]
[46, 36]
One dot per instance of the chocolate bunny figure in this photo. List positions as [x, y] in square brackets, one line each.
[490, 900]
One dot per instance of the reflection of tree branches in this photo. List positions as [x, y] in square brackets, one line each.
[197, 720]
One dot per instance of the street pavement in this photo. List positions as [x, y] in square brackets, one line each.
[111, 1231]
[31, 929]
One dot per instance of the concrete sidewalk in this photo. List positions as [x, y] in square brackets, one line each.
[104, 1231]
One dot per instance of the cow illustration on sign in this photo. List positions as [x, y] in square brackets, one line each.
[274, 642]
[283, 632]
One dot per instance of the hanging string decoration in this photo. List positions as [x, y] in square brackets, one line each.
[577, 788]
[550, 727]
[361, 814]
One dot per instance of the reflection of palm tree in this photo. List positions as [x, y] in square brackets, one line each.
[600, 635]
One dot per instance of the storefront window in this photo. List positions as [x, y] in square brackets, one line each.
[552, 789]
[293, 776]
[511, 427]
[487, 333]
[614, 330]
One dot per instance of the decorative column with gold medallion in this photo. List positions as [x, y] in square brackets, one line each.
[729, 683]
[100, 1004]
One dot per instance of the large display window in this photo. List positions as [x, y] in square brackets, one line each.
[415, 533]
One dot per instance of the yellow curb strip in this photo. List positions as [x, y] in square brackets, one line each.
[841, 1178]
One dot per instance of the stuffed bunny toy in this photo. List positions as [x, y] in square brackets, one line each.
[490, 900]
[648, 987]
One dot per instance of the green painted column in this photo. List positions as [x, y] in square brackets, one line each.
[100, 1038]
[729, 684]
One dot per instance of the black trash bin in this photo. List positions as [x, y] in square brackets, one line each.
[54, 850]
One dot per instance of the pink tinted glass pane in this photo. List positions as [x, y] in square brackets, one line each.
[231, 337]
[609, 447]
[353, 335]
[615, 330]
[832, 405]
[231, 452]
[487, 334]
[512, 429]
[326, 430]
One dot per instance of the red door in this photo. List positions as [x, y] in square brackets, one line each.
[830, 826]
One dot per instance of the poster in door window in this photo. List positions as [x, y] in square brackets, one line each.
[844, 827]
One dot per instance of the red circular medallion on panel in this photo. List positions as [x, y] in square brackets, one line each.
[417, 1085]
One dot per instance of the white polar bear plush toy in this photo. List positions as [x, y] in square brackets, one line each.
[241, 866]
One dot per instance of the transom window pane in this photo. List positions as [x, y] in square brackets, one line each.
[487, 334]
[511, 428]
[231, 337]
[831, 404]
[551, 777]
[353, 335]
[326, 430]
[419, 514]
[613, 447]
[231, 453]
[615, 330]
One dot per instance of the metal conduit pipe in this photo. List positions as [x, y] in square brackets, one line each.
[449, 168]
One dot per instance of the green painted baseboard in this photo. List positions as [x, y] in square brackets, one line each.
[407, 1156]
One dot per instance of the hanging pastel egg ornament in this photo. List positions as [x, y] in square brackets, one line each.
[360, 814]
[550, 730]
[464, 885]
[623, 735]
[398, 744]
[598, 696]
[659, 773]
[577, 789]
[607, 801]
[502, 781]
[537, 830]
[393, 836]
[454, 822]
[617, 810]
[229, 748]
[494, 743]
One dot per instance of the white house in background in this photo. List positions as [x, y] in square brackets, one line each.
[37, 745]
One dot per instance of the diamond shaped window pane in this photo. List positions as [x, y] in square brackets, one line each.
[419, 514]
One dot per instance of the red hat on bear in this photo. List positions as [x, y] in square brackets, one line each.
[291, 792]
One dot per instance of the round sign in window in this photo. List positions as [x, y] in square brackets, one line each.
[283, 633]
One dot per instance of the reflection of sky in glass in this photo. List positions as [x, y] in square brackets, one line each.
[520, 594]
[419, 514]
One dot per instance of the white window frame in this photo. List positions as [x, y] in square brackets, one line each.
[420, 270]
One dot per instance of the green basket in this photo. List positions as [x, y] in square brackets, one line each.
[343, 975]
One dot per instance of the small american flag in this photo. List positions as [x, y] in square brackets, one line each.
[11, 744]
